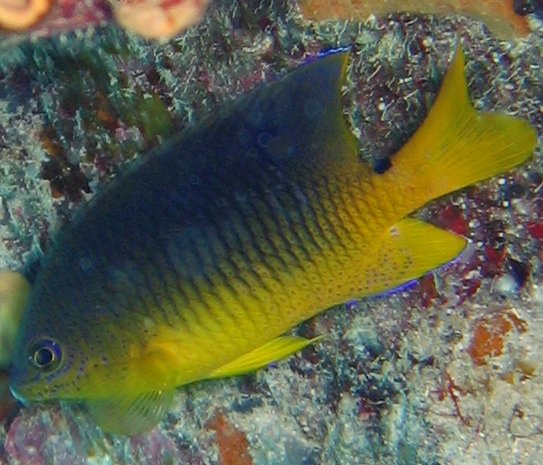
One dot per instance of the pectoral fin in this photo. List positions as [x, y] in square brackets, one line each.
[131, 415]
[271, 352]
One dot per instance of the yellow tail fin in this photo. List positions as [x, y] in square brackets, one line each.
[456, 146]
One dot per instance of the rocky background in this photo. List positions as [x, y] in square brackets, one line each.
[445, 371]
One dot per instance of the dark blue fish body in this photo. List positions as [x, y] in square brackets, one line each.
[194, 262]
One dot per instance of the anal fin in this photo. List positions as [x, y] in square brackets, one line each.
[408, 250]
[270, 352]
[131, 415]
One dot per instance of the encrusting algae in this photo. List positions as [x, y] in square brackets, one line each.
[498, 15]
[195, 262]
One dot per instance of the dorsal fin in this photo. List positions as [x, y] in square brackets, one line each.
[300, 116]
[293, 125]
[296, 120]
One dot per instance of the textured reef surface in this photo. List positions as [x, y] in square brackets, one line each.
[446, 370]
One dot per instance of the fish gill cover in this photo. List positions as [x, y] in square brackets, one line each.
[412, 378]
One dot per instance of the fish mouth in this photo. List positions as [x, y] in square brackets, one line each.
[22, 390]
[27, 395]
[17, 395]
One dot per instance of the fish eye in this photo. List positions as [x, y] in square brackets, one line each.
[45, 355]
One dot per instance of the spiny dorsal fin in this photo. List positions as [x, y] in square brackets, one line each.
[296, 120]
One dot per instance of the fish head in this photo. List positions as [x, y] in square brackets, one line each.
[32, 372]
[65, 346]
[73, 343]
[59, 358]
[44, 359]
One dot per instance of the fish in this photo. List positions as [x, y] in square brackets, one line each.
[196, 262]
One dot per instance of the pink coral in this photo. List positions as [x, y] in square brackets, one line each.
[16, 15]
[59, 16]
[158, 19]
[155, 19]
